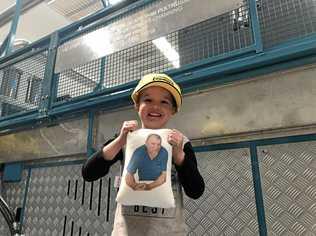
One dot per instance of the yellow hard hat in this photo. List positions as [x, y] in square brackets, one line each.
[160, 80]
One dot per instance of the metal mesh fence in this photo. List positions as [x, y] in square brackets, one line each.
[218, 35]
[78, 81]
[280, 21]
[283, 20]
[21, 84]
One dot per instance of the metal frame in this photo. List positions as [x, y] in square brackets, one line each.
[14, 25]
[252, 146]
[233, 66]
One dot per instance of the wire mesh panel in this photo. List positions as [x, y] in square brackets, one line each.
[78, 81]
[289, 188]
[132, 63]
[227, 206]
[21, 84]
[283, 20]
[219, 34]
[216, 36]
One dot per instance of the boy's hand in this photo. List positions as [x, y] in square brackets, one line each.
[128, 126]
[175, 138]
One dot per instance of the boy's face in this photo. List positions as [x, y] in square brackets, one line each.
[155, 107]
[153, 145]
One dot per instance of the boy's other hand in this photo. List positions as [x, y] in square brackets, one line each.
[128, 126]
[175, 138]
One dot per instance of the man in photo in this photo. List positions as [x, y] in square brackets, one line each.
[150, 162]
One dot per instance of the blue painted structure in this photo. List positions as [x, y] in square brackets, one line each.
[237, 65]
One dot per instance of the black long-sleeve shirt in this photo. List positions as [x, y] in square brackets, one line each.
[189, 176]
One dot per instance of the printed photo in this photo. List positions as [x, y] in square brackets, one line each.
[147, 167]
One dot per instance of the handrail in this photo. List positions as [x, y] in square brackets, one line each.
[9, 217]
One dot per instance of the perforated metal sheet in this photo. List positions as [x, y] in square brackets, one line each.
[289, 188]
[227, 206]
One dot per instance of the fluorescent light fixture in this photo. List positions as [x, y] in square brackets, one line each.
[113, 2]
[168, 51]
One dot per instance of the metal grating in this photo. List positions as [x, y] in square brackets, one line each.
[227, 206]
[218, 35]
[21, 85]
[283, 20]
[289, 188]
[75, 9]
[78, 81]
[132, 63]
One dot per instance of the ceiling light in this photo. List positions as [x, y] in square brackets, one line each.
[113, 2]
[168, 51]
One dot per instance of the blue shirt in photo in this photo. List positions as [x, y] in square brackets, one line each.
[148, 169]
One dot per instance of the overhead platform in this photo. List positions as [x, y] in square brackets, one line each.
[247, 70]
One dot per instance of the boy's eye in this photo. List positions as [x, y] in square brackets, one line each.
[165, 102]
[147, 100]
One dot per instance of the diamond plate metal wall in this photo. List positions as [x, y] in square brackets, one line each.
[288, 173]
[227, 206]
[4, 229]
[13, 194]
[60, 202]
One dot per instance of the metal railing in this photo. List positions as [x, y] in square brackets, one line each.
[10, 218]
[32, 90]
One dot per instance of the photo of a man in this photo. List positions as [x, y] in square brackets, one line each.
[150, 163]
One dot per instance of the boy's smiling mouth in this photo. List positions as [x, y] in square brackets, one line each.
[154, 114]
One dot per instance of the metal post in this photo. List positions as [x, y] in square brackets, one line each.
[99, 86]
[258, 190]
[48, 86]
[14, 25]
[104, 3]
[90, 138]
[255, 25]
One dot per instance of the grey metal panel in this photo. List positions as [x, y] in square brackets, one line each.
[227, 206]
[60, 202]
[278, 101]
[288, 174]
[67, 138]
[4, 228]
[13, 194]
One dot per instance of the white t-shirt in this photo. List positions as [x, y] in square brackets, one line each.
[146, 221]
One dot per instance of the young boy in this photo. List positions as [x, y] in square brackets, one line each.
[156, 98]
